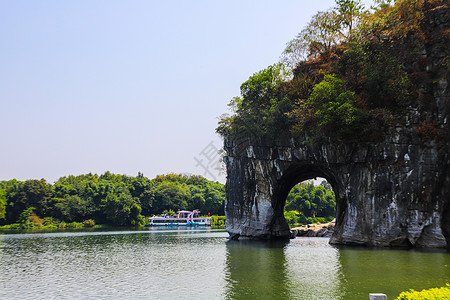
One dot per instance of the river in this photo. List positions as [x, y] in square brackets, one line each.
[195, 263]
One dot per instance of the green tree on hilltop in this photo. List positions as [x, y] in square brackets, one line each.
[349, 14]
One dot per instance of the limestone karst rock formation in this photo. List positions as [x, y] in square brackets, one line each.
[393, 192]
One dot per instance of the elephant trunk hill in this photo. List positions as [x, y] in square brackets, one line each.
[391, 181]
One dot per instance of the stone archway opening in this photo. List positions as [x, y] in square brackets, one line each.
[299, 173]
[310, 201]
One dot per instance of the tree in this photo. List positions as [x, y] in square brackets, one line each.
[214, 201]
[15, 204]
[311, 201]
[171, 195]
[122, 210]
[349, 12]
[24, 217]
[326, 185]
[71, 208]
[2, 204]
[197, 200]
[261, 107]
[380, 4]
[142, 191]
[37, 193]
[319, 36]
[261, 88]
[335, 106]
[325, 30]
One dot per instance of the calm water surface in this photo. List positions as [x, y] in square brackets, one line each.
[189, 263]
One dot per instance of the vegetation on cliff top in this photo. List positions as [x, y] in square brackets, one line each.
[349, 74]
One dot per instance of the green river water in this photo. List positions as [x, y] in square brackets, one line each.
[195, 263]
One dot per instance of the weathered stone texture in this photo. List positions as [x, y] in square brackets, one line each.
[390, 193]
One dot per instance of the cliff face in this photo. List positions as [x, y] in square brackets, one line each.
[393, 192]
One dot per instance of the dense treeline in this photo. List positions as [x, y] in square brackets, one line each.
[307, 203]
[106, 199]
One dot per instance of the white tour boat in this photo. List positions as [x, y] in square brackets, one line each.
[183, 218]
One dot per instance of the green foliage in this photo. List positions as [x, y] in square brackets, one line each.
[320, 35]
[195, 192]
[120, 209]
[349, 11]
[376, 74]
[308, 201]
[430, 294]
[258, 91]
[22, 195]
[89, 223]
[169, 212]
[74, 225]
[291, 217]
[334, 105]
[25, 216]
[71, 208]
[171, 194]
[218, 221]
[261, 109]
[379, 72]
[2, 204]
[381, 4]
[294, 217]
[325, 31]
[112, 199]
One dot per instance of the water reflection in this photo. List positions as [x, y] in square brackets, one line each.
[297, 269]
[392, 271]
[314, 269]
[256, 270]
[128, 265]
[197, 264]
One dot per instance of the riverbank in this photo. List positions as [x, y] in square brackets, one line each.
[315, 230]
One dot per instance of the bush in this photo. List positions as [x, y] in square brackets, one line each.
[218, 221]
[48, 221]
[435, 293]
[74, 225]
[50, 226]
[36, 221]
[89, 223]
[291, 217]
[14, 226]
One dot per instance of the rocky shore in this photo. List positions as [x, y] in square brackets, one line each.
[314, 230]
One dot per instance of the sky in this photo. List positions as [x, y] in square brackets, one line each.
[88, 86]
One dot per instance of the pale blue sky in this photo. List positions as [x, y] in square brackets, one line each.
[128, 86]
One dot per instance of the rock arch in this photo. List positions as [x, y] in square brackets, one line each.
[298, 172]
[392, 193]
